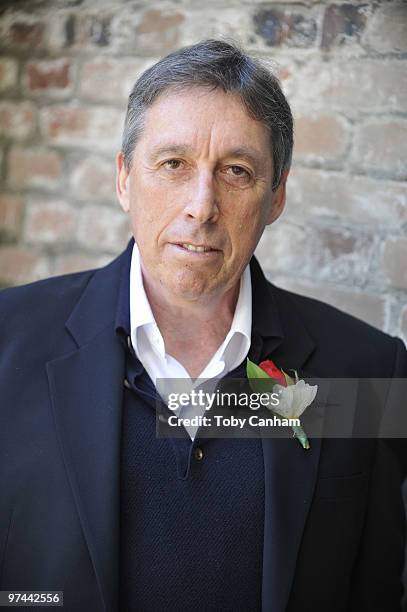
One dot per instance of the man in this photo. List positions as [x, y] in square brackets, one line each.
[93, 503]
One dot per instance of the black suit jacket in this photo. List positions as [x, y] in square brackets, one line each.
[334, 521]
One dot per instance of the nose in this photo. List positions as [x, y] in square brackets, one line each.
[203, 200]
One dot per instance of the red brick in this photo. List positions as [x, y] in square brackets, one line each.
[153, 31]
[217, 20]
[11, 209]
[156, 20]
[33, 168]
[20, 264]
[159, 29]
[8, 73]
[48, 222]
[23, 31]
[103, 226]
[94, 178]
[366, 306]
[48, 76]
[358, 199]
[381, 146]
[82, 30]
[291, 27]
[76, 262]
[343, 25]
[323, 137]
[73, 125]
[110, 79]
[17, 119]
[387, 29]
[394, 262]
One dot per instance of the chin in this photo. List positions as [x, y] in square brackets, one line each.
[190, 286]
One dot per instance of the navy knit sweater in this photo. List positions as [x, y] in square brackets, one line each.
[191, 527]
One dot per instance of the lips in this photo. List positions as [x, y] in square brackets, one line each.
[196, 248]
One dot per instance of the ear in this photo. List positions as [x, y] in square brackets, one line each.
[278, 200]
[122, 182]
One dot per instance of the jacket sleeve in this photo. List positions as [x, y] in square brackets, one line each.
[376, 577]
[394, 425]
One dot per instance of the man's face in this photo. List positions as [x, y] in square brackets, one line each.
[201, 176]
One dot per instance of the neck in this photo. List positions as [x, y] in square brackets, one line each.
[192, 331]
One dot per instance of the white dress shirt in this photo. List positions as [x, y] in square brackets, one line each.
[149, 347]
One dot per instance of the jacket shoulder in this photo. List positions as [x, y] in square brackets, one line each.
[53, 297]
[343, 336]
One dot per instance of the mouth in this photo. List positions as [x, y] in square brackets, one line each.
[195, 250]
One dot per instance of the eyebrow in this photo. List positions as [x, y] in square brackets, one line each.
[171, 148]
[247, 153]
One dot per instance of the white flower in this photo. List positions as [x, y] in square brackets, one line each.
[294, 399]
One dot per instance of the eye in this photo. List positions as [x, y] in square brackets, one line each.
[237, 175]
[238, 171]
[172, 164]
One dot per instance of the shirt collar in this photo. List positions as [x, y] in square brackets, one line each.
[242, 319]
[140, 309]
[237, 342]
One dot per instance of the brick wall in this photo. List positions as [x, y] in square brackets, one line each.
[66, 69]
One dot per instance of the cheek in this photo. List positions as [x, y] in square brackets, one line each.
[246, 220]
[154, 198]
[142, 221]
[244, 224]
[145, 206]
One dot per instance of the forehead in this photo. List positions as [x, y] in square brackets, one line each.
[202, 117]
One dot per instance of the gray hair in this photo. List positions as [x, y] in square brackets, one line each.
[216, 64]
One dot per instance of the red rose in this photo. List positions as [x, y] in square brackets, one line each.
[272, 370]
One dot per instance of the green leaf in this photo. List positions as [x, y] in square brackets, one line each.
[259, 380]
[255, 371]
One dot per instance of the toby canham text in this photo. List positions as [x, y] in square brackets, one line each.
[232, 421]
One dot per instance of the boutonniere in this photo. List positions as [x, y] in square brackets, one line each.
[295, 395]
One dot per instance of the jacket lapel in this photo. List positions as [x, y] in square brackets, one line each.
[289, 470]
[86, 392]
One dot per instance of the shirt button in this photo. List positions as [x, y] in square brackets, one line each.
[198, 454]
[126, 384]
